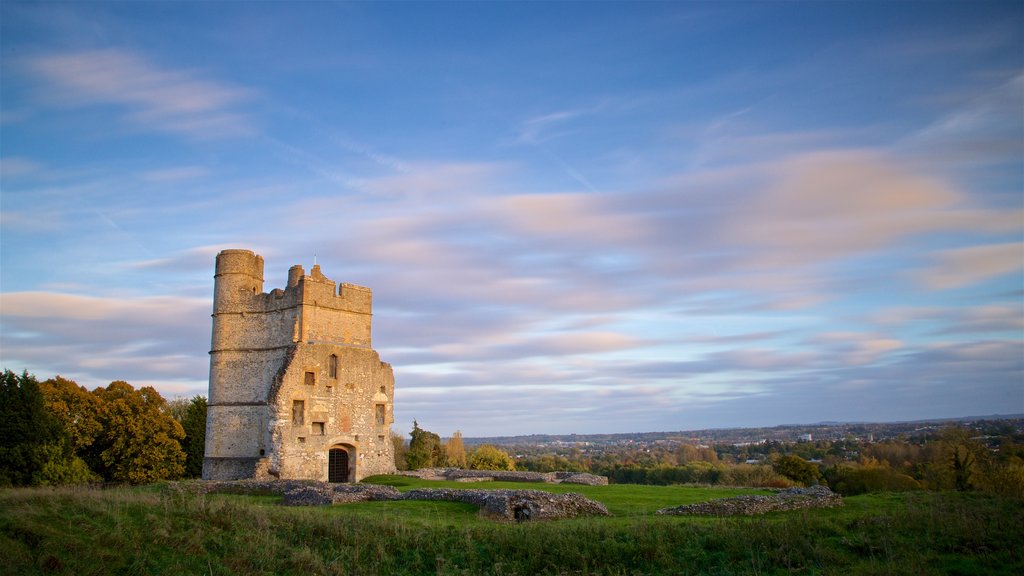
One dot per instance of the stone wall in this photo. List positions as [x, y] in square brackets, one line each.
[785, 500]
[461, 475]
[518, 505]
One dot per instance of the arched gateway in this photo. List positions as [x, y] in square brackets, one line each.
[338, 469]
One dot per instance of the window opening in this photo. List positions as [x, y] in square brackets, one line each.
[298, 412]
[380, 414]
[318, 428]
[310, 378]
[332, 366]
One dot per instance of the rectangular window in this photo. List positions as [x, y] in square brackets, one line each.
[380, 414]
[298, 412]
[332, 366]
[318, 428]
[310, 378]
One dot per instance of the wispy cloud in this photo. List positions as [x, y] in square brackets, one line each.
[965, 266]
[99, 339]
[537, 129]
[157, 98]
[175, 174]
[13, 166]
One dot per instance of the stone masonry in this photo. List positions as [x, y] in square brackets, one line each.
[296, 390]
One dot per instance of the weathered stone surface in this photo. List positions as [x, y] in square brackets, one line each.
[293, 377]
[785, 500]
[516, 505]
[322, 494]
[295, 492]
[586, 479]
[460, 475]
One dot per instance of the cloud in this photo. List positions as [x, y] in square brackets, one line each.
[985, 128]
[769, 235]
[174, 174]
[193, 259]
[966, 266]
[94, 340]
[538, 129]
[167, 100]
[12, 166]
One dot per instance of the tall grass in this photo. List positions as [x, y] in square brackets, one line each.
[133, 531]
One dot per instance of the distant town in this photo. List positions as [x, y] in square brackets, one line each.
[753, 441]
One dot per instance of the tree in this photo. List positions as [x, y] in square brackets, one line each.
[34, 448]
[193, 421]
[797, 469]
[140, 441]
[425, 450]
[177, 407]
[76, 408]
[401, 448]
[488, 457]
[455, 451]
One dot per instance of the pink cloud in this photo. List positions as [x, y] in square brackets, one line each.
[159, 98]
[966, 266]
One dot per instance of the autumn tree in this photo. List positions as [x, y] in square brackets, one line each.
[797, 469]
[177, 407]
[488, 457]
[139, 441]
[455, 451]
[400, 448]
[76, 408]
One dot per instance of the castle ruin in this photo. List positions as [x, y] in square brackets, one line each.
[296, 390]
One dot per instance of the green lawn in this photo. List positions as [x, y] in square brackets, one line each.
[145, 531]
[621, 499]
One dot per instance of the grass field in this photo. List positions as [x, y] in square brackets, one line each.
[147, 531]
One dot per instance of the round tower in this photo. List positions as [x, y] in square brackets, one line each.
[233, 416]
[239, 276]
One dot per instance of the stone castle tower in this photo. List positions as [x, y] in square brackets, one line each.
[296, 390]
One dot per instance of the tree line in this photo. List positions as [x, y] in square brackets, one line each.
[952, 458]
[425, 449]
[57, 432]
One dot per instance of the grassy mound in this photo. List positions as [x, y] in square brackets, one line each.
[149, 531]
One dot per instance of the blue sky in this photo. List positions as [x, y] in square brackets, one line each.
[575, 217]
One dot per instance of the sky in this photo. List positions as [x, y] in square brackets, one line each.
[575, 217]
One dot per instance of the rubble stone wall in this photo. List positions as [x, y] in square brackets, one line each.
[785, 500]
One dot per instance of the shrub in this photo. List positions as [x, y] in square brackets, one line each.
[798, 470]
[850, 480]
[488, 457]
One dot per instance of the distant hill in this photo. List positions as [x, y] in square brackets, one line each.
[784, 432]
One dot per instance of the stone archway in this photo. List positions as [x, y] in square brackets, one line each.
[340, 464]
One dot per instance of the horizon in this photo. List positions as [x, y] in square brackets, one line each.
[988, 417]
[597, 217]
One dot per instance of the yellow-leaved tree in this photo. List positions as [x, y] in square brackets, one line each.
[455, 450]
[488, 457]
[139, 441]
